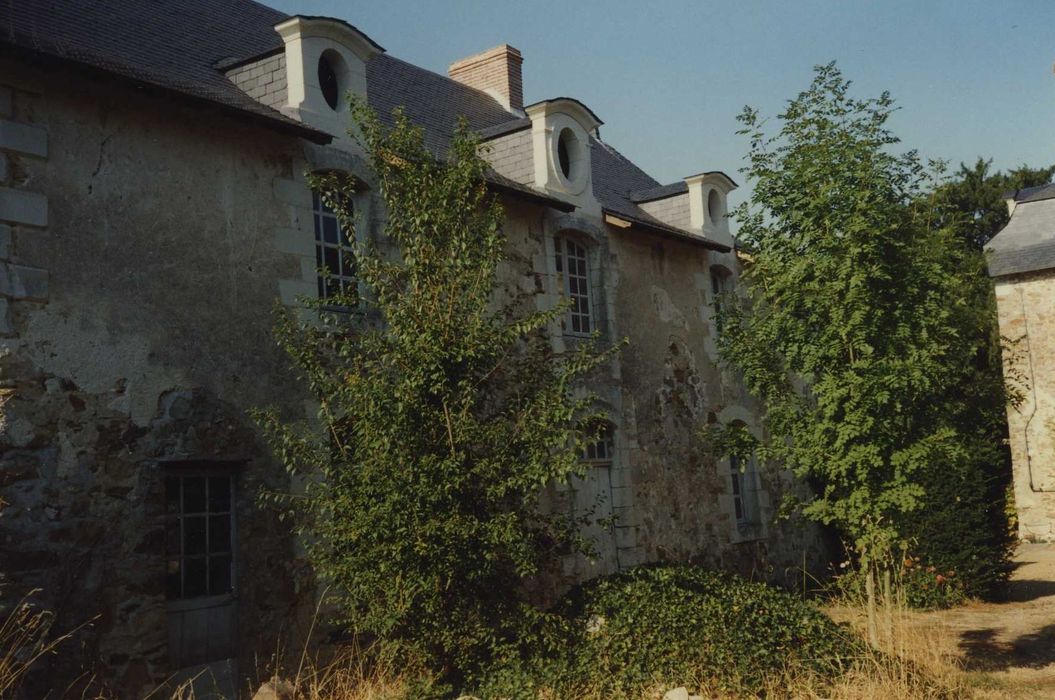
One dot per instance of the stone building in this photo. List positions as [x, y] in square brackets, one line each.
[1022, 265]
[154, 206]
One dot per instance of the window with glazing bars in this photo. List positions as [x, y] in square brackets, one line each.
[599, 452]
[333, 251]
[199, 528]
[573, 268]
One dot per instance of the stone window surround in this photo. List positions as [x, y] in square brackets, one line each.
[298, 237]
[625, 521]
[738, 532]
[598, 296]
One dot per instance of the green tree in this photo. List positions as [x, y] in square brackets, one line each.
[972, 200]
[444, 413]
[862, 330]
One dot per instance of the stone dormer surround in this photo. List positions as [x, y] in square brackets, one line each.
[309, 41]
[561, 129]
[699, 205]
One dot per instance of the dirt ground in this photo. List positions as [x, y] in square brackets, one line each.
[1009, 647]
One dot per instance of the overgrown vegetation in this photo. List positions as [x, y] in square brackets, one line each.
[869, 334]
[443, 414]
[669, 626]
[972, 200]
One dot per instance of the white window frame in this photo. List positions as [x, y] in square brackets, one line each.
[342, 280]
[573, 267]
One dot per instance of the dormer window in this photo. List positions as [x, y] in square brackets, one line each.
[707, 194]
[715, 208]
[325, 60]
[328, 82]
[564, 151]
[560, 132]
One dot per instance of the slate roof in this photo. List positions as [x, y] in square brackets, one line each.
[1027, 243]
[172, 46]
[184, 47]
[1033, 194]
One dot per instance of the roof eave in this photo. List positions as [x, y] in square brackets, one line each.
[49, 59]
[530, 195]
[667, 231]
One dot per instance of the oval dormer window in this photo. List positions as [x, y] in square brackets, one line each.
[562, 154]
[329, 82]
[568, 153]
[714, 206]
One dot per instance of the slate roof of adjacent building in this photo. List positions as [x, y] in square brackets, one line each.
[184, 47]
[1027, 243]
[1032, 194]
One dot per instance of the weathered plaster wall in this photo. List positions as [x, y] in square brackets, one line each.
[672, 386]
[149, 344]
[138, 305]
[1024, 307]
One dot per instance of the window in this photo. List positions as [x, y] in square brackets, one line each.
[714, 207]
[199, 530]
[719, 287]
[599, 453]
[330, 70]
[745, 490]
[573, 269]
[334, 256]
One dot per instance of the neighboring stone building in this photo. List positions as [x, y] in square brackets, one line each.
[154, 206]
[1022, 265]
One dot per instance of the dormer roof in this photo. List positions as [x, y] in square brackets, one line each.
[193, 43]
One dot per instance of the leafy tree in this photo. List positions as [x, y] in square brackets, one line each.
[443, 413]
[862, 333]
[972, 201]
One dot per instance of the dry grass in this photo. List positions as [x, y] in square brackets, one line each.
[916, 657]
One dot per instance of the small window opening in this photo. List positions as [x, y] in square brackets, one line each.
[714, 206]
[599, 452]
[563, 157]
[744, 476]
[719, 288]
[328, 81]
[199, 535]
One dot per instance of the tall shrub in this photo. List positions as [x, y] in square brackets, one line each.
[862, 335]
[443, 413]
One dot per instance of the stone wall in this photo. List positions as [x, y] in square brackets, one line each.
[142, 344]
[1024, 306]
[143, 245]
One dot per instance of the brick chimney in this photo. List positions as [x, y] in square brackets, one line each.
[496, 72]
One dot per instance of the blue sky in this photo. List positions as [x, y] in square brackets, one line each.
[972, 77]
